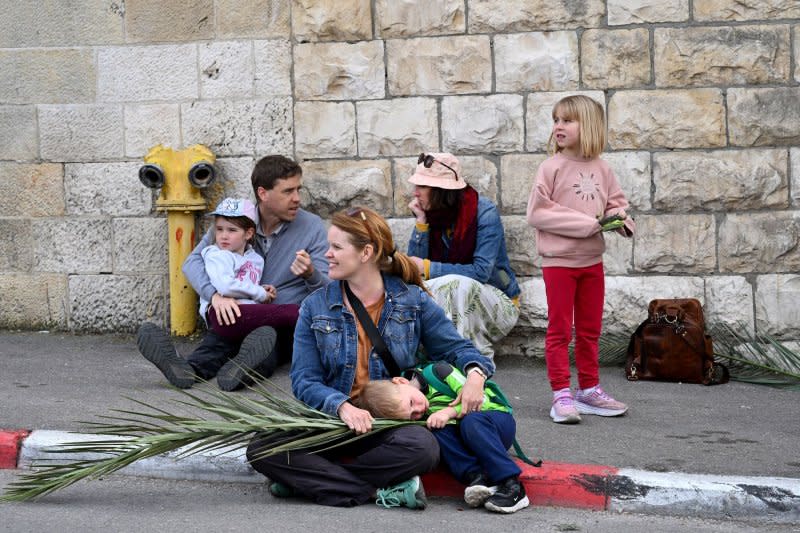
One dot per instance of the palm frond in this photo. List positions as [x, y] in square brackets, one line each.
[219, 422]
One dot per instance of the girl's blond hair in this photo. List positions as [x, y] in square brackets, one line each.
[591, 121]
[380, 398]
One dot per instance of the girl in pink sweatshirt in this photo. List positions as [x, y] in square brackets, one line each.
[575, 199]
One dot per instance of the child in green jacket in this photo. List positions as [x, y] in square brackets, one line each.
[475, 449]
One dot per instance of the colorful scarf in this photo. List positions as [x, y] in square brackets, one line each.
[463, 224]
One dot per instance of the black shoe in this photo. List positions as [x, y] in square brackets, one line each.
[509, 498]
[256, 349]
[156, 346]
[478, 490]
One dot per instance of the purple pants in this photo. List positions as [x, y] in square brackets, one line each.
[255, 316]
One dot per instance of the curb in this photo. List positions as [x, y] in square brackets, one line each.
[590, 487]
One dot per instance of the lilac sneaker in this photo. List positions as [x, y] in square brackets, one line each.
[563, 410]
[597, 402]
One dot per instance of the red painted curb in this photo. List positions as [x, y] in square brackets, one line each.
[552, 484]
[10, 442]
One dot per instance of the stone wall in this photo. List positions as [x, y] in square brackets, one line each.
[702, 99]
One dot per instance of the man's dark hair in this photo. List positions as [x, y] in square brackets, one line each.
[272, 168]
[445, 198]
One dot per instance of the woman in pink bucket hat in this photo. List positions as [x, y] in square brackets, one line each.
[459, 245]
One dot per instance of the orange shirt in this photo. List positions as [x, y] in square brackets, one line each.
[365, 347]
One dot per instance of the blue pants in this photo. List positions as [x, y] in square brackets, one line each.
[479, 443]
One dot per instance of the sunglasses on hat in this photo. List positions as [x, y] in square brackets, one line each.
[427, 160]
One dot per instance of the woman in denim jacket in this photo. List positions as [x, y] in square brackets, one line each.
[333, 360]
[459, 246]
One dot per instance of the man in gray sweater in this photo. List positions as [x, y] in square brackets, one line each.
[293, 243]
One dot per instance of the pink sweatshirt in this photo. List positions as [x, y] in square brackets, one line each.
[565, 202]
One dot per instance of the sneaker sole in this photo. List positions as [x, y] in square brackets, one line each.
[156, 347]
[587, 409]
[523, 503]
[475, 496]
[422, 500]
[256, 348]
[564, 419]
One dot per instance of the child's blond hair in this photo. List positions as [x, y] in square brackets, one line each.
[380, 398]
[591, 120]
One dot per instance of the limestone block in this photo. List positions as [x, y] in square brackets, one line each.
[518, 172]
[80, 132]
[618, 258]
[56, 23]
[33, 301]
[539, 116]
[226, 69]
[621, 12]
[794, 165]
[633, 173]
[47, 76]
[720, 180]
[733, 10]
[110, 189]
[178, 20]
[325, 129]
[331, 20]
[729, 300]
[759, 117]
[339, 71]
[627, 297]
[330, 186]
[796, 41]
[439, 65]
[737, 55]
[255, 18]
[479, 172]
[666, 119]
[72, 245]
[521, 246]
[273, 67]
[615, 58]
[145, 248]
[140, 73]
[536, 61]
[487, 16]
[403, 126]
[233, 179]
[114, 304]
[31, 190]
[407, 18]
[401, 232]
[533, 304]
[675, 243]
[147, 125]
[16, 246]
[240, 127]
[18, 133]
[777, 303]
[482, 124]
[760, 242]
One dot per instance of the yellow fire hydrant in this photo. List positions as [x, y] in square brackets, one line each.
[180, 176]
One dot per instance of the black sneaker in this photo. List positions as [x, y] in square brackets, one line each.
[509, 498]
[256, 349]
[156, 346]
[478, 490]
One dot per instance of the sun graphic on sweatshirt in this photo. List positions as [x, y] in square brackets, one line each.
[586, 188]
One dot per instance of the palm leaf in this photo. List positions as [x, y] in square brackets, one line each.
[218, 422]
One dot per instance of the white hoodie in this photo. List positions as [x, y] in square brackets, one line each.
[233, 275]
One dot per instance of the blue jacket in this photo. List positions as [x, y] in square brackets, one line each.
[325, 343]
[490, 262]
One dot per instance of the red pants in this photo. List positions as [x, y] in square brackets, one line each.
[254, 316]
[574, 295]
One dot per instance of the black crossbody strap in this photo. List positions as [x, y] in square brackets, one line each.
[372, 332]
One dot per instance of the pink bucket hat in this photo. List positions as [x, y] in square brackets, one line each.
[438, 170]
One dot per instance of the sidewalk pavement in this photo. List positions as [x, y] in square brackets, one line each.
[723, 451]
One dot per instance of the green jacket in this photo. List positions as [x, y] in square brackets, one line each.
[454, 379]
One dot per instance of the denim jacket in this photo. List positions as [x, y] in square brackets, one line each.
[325, 343]
[490, 262]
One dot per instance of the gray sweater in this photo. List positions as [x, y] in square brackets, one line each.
[305, 232]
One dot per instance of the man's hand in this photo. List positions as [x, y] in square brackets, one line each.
[439, 419]
[471, 395]
[356, 419]
[302, 265]
[417, 210]
[226, 308]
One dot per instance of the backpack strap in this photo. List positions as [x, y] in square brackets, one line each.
[372, 332]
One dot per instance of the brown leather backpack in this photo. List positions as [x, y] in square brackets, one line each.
[672, 345]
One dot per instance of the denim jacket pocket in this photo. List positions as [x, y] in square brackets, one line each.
[328, 333]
